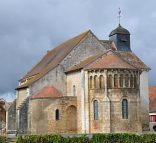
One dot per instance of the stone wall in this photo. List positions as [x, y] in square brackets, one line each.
[144, 96]
[57, 77]
[21, 95]
[110, 105]
[23, 118]
[74, 81]
[133, 123]
[11, 117]
[43, 115]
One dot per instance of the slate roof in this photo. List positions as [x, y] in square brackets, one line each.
[47, 92]
[52, 59]
[119, 30]
[152, 99]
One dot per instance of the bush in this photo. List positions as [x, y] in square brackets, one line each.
[96, 138]
[51, 139]
[116, 138]
[2, 139]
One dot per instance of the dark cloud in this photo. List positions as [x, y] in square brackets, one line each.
[28, 28]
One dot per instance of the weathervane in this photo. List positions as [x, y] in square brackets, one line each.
[119, 12]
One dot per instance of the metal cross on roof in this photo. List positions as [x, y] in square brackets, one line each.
[119, 12]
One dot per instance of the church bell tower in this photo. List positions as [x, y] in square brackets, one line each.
[121, 37]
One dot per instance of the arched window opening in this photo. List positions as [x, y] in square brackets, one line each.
[121, 80]
[135, 82]
[131, 81]
[57, 114]
[74, 90]
[124, 109]
[101, 83]
[115, 80]
[109, 81]
[95, 81]
[95, 109]
[126, 80]
[91, 82]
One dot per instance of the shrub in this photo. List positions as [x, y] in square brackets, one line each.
[96, 138]
[2, 139]
[51, 139]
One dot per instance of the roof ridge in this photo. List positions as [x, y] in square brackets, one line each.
[112, 53]
[99, 57]
[125, 61]
[118, 53]
[83, 34]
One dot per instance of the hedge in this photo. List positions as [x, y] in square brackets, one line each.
[2, 139]
[96, 138]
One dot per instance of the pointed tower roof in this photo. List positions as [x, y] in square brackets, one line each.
[119, 30]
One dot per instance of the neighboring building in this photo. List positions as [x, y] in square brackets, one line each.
[152, 108]
[84, 85]
[3, 107]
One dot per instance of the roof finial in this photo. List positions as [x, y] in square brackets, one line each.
[119, 12]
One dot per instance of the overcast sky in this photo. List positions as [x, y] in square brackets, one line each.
[28, 28]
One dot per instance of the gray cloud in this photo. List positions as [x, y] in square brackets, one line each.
[28, 28]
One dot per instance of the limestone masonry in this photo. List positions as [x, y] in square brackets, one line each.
[84, 85]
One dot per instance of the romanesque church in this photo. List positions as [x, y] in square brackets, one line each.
[84, 85]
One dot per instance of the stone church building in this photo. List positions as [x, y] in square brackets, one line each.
[84, 85]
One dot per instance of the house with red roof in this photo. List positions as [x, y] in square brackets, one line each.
[84, 85]
[152, 108]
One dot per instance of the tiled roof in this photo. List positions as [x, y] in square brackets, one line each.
[132, 59]
[152, 99]
[84, 63]
[52, 59]
[108, 61]
[47, 92]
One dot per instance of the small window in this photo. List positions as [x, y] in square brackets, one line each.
[57, 114]
[152, 118]
[74, 90]
[131, 81]
[126, 80]
[101, 82]
[91, 82]
[121, 80]
[116, 80]
[95, 81]
[109, 81]
[95, 109]
[135, 82]
[124, 109]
